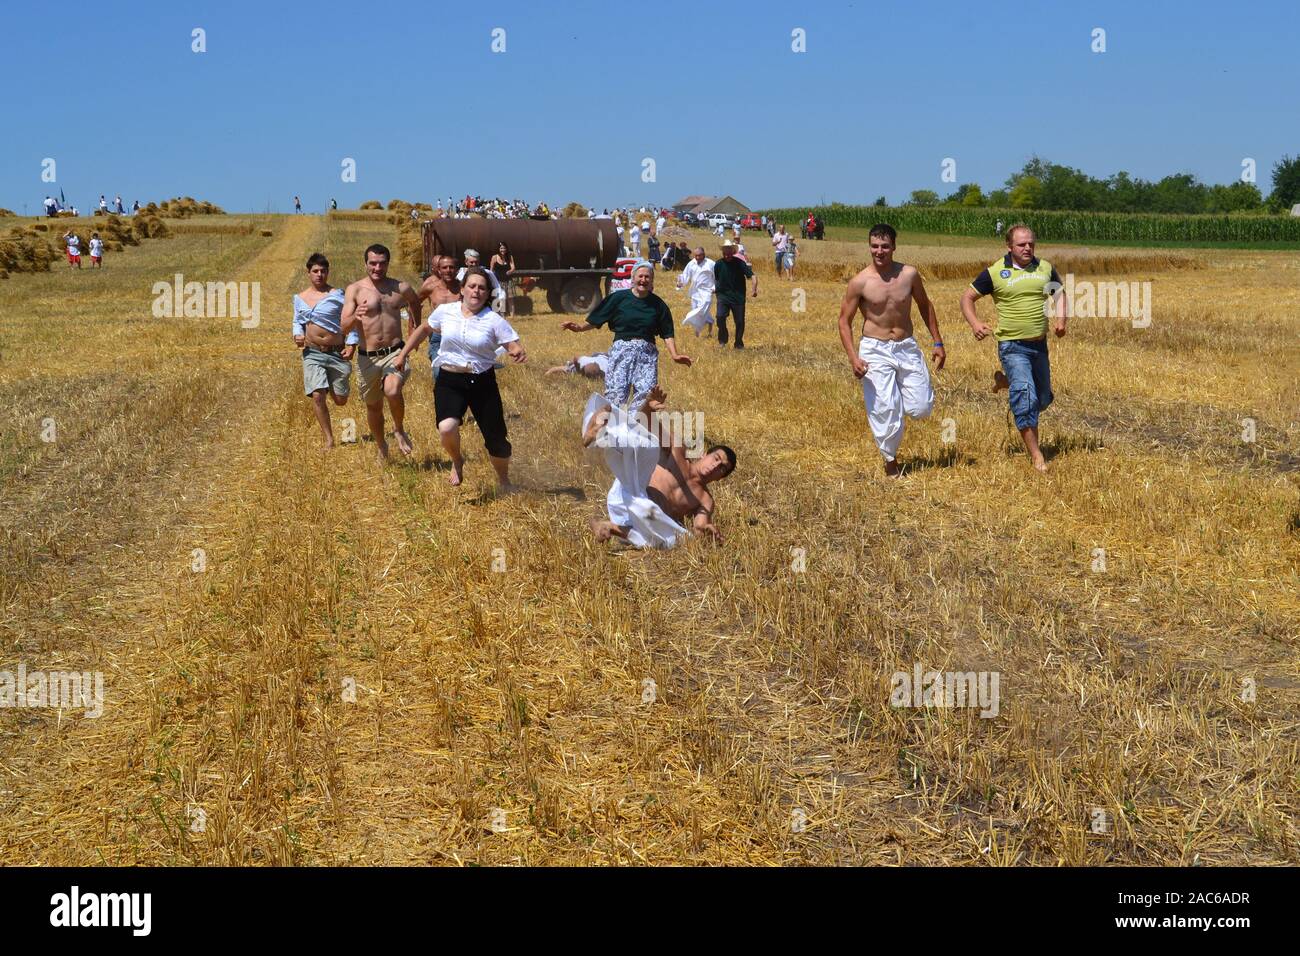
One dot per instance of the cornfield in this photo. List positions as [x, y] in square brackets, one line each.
[1059, 226]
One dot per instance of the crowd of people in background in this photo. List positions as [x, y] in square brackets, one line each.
[55, 206]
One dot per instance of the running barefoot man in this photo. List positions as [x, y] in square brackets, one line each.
[656, 485]
[441, 287]
[326, 354]
[375, 305]
[1023, 289]
[895, 381]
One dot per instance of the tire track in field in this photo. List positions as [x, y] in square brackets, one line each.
[57, 771]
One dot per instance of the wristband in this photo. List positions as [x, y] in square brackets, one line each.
[938, 345]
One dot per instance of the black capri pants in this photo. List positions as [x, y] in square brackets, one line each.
[453, 392]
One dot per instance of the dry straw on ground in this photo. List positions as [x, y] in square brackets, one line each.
[353, 679]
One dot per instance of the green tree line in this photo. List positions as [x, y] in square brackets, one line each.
[1045, 185]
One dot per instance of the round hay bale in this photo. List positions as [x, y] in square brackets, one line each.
[266, 233]
[371, 204]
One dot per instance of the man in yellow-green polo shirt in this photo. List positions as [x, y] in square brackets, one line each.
[1023, 289]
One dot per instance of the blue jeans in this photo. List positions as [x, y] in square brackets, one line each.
[1030, 376]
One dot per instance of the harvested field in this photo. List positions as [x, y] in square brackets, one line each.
[365, 663]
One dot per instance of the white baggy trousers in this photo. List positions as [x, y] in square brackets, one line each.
[700, 316]
[897, 383]
[632, 454]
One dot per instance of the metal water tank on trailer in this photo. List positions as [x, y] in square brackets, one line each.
[568, 257]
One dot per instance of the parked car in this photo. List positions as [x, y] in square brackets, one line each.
[751, 222]
[718, 219]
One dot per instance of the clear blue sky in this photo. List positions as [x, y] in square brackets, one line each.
[413, 92]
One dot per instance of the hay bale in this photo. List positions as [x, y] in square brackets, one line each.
[7, 212]
[266, 233]
[371, 204]
[149, 227]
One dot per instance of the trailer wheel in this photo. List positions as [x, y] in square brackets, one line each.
[553, 300]
[580, 295]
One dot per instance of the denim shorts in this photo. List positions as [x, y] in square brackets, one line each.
[1029, 376]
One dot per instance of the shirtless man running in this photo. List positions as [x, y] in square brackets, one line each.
[887, 359]
[648, 500]
[375, 305]
[441, 287]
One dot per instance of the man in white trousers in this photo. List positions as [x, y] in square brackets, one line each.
[697, 279]
[895, 381]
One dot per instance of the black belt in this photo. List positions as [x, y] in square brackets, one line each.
[376, 353]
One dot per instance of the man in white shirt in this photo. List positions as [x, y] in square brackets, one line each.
[634, 241]
[780, 239]
[51, 207]
[103, 202]
[697, 278]
[498, 294]
[96, 251]
[660, 223]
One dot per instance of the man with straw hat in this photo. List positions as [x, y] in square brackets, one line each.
[729, 275]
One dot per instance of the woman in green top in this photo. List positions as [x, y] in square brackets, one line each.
[635, 316]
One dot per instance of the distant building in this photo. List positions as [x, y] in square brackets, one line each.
[707, 205]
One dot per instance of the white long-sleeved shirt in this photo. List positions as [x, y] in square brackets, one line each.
[697, 276]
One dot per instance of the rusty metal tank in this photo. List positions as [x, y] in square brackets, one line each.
[569, 258]
[537, 245]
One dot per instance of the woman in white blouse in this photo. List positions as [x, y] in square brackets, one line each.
[466, 360]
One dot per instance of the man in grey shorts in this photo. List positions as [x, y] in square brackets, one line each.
[326, 353]
[374, 305]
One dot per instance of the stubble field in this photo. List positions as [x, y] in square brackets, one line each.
[353, 680]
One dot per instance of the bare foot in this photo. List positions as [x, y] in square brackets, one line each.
[456, 476]
[1000, 381]
[601, 530]
[327, 444]
[506, 488]
[404, 442]
[381, 448]
[1039, 463]
[892, 470]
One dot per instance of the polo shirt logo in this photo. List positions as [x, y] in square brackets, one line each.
[1005, 273]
